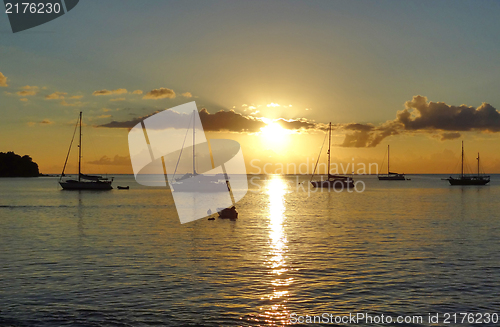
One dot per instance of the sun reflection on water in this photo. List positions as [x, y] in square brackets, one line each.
[275, 311]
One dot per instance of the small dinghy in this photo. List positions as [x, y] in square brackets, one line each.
[123, 187]
[229, 213]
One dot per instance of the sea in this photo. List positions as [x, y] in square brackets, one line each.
[412, 253]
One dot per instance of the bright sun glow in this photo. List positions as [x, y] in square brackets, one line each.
[274, 134]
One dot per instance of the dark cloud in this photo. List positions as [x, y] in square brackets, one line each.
[450, 136]
[367, 135]
[160, 93]
[296, 124]
[229, 121]
[126, 124]
[420, 115]
[108, 92]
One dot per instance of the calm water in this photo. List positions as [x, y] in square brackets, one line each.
[121, 258]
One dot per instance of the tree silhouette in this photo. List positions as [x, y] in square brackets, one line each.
[13, 165]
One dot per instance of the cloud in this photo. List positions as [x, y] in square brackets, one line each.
[367, 135]
[229, 121]
[187, 95]
[108, 92]
[3, 80]
[23, 99]
[450, 136]
[104, 116]
[76, 97]
[160, 93]
[118, 99]
[137, 92]
[43, 122]
[74, 104]
[55, 96]
[28, 91]
[421, 115]
[116, 161]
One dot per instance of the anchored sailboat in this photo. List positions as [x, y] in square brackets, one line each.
[194, 182]
[84, 182]
[332, 181]
[463, 179]
[391, 176]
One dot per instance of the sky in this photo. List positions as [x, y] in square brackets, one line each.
[418, 75]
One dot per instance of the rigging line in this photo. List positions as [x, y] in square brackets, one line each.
[383, 161]
[321, 150]
[180, 154]
[69, 150]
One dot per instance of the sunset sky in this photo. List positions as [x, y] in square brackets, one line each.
[418, 75]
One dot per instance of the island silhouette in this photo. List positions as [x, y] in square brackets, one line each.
[14, 165]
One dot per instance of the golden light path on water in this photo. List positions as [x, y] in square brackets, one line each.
[276, 312]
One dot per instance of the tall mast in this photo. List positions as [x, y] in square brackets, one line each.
[478, 164]
[329, 144]
[80, 149]
[388, 170]
[462, 158]
[194, 142]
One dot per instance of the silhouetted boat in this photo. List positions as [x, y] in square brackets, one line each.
[123, 187]
[229, 213]
[194, 182]
[463, 179]
[332, 181]
[390, 175]
[84, 182]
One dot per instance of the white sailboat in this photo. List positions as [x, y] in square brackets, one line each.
[332, 181]
[83, 182]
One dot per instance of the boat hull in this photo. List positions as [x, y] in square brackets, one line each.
[468, 181]
[334, 184]
[75, 185]
[398, 177]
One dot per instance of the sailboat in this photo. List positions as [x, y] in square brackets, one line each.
[194, 182]
[391, 176]
[333, 181]
[464, 179]
[84, 182]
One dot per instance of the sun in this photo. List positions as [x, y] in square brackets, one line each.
[274, 134]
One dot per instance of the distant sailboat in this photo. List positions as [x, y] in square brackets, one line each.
[464, 179]
[332, 181]
[84, 182]
[194, 182]
[391, 176]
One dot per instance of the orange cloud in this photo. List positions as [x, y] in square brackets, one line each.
[137, 92]
[28, 90]
[108, 92]
[3, 80]
[187, 95]
[55, 96]
[160, 93]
